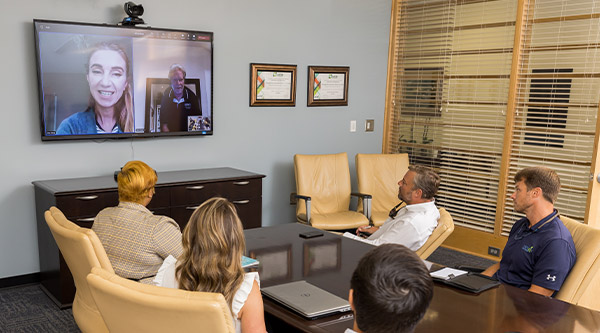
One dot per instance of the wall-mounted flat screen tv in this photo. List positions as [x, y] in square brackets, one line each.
[100, 81]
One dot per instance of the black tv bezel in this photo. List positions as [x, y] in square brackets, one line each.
[94, 137]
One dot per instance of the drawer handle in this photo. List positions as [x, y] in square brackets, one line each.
[195, 188]
[241, 202]
[89, 219]
[87, 197]
[192, 207]
[241, 183]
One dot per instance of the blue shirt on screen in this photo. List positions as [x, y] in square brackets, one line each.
[82, 123]
[542, 255]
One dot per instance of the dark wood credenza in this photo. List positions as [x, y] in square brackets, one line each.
[178, 193]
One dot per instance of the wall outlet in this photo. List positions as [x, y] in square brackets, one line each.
[493, 251]
[352, 125]
[293, 199]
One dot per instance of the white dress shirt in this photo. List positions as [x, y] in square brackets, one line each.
[411, 227]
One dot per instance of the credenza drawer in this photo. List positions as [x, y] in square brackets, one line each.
[161, 198]
[193, 193]
[249, 211]
[86, 204]
[241, 189]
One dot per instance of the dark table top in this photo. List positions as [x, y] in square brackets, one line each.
[329, 260]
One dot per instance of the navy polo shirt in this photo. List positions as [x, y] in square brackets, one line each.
[542, 255]
[175, 113]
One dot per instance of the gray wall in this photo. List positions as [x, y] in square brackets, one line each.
[310, 32]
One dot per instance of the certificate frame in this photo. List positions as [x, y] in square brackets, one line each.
[285, 92]
[337, 92]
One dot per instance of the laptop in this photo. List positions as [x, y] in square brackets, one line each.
[308, 300]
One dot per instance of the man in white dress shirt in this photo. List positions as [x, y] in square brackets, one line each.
[412, 224]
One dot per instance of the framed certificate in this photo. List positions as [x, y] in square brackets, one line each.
[272, 85]
[328, 86]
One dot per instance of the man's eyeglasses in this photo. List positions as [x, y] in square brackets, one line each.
[395, 210]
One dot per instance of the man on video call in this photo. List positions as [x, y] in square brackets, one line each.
[540, 252]
[178, 102]
[410, 225]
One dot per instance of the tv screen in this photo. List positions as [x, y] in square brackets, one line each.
[105, 81]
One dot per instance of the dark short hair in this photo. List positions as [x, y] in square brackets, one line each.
[392, 289]
[542, 177]
[426, 180]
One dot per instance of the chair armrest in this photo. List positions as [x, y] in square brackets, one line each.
[366, 198]
[306, 199]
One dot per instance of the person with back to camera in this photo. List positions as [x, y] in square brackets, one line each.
[137, 241]
[390, 290]
[411, 225]
[178, 102]
[213, 245]
[110, 108]
[540, 252]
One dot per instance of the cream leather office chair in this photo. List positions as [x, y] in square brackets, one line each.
[324, 189]
[128, 306]
[82, 250]
[378, 175]
[444, 229]
[582, 286]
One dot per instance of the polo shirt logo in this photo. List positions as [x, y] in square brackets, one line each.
[527, 249]
[553, 278]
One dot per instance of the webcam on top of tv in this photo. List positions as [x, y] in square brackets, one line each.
[134, 11]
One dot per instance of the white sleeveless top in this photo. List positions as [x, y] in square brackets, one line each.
[166, 278]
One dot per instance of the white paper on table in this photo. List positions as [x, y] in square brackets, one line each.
[447, 273]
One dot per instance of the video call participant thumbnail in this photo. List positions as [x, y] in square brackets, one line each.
[178, 102]
[110, 107]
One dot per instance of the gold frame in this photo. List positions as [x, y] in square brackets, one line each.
[255, 68]
[312, 71]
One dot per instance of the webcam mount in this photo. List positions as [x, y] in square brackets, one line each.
[134, 11]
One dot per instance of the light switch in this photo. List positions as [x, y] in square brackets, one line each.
[369, 125]
[352, 125]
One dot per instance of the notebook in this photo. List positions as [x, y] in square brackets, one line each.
[249, 262]
[308, 300]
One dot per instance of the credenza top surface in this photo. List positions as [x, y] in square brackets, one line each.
[165, 178]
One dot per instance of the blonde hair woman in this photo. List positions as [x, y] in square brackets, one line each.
[213, 244]
[110, 107]
[136, 241]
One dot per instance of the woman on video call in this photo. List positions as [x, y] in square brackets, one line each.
[110, 108]
[213, 244]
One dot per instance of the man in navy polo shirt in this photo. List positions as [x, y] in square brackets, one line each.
[540, 251]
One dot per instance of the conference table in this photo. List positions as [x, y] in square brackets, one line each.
[328, 262]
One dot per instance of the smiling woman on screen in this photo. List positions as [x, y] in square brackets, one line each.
[110, 108]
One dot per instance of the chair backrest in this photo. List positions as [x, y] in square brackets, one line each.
[82, 251]
[326, 179]
[378, 175]
[582, 285]
[444, 228]
[128, 306]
